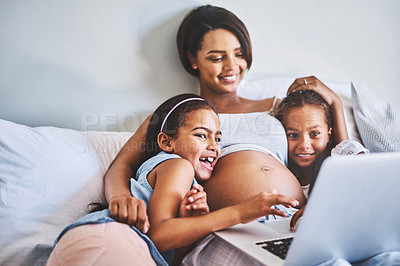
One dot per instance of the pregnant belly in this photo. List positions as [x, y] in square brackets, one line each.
[240, 175]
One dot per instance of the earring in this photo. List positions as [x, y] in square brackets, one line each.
[194, 67]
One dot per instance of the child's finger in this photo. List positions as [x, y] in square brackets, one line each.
[284, 200]
[195, 189]
[278, 212]
[197, 202]
[198, 187]
[202, 196]
[190, 195]
[202, 207]
[187, 199]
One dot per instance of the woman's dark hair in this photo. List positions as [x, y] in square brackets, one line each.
[202, 20]
[299, 99]
[174, 121]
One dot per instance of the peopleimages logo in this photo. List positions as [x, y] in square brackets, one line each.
[250, 124]
[112, 122]
[242, 124]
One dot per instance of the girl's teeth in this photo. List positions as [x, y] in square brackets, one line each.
[209, 159]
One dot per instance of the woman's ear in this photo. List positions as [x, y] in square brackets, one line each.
[192, 60]
[329, 134]
[164, 141]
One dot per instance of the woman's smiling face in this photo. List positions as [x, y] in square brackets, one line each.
[307, 133]
[220, 62]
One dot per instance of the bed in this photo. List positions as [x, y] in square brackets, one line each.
[49, 175]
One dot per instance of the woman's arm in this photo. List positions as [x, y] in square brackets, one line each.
[173, 180]
[122, 205]
[339, 127]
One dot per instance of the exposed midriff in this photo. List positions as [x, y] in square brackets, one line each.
[240, 175]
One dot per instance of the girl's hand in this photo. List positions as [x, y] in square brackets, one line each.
[194, 203]
[260, 205]
[130, 210]
[295, 218]
[313, 83]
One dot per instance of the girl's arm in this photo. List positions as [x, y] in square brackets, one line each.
[122, 205]
[339, 127]
[168, 231]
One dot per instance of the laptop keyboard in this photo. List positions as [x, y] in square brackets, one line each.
[278, 247]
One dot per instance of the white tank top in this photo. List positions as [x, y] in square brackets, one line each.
[253, 131]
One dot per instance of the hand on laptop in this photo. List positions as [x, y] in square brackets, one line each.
[261, 205]
[296, 217]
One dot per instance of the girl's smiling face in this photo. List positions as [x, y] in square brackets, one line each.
[220, 62]
[198, 141]
[307, 133]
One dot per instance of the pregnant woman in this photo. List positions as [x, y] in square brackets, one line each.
[214, 45]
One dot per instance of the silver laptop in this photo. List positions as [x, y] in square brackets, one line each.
[353, 213]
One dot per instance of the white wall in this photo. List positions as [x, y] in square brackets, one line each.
[344, 40]
[103, 65]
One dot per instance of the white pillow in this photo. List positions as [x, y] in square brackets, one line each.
[277, 87]
[48, 176]
[378, 122]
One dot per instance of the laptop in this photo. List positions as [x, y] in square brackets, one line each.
[353, 213]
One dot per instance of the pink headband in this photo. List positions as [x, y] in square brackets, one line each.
[176, 105]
